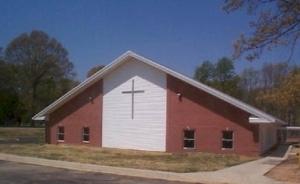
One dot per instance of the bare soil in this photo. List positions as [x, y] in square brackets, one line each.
[288, 171]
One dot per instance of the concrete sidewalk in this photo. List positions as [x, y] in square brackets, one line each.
[248, 173]
[251, 172]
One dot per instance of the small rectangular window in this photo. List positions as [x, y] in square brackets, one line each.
[86, 134]
[60, 133]
[189, 139]
[227, 140]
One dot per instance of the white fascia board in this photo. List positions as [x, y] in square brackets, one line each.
[291, 128]
[39, 118]
[258, 120]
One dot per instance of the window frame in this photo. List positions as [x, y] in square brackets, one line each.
[84, 134]
[58, 134]
[223, 139]
[188, 139]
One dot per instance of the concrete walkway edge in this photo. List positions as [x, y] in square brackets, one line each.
[170, 176]
[247, 173]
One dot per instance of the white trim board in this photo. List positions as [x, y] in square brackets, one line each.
[264, 117]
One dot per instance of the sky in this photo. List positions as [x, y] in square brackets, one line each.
[179, 34]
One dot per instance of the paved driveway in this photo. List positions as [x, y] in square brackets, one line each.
[16, 173]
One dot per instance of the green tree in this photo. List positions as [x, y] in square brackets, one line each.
[277, 24]
[205, 72]
[94, 70]
[41, 64]
[9, 108]
[220, 76]
[224, 70]
[225, 78]
[9, 101]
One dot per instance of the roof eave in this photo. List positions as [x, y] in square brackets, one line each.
[98, 75]
[39, 118]
[260, 120]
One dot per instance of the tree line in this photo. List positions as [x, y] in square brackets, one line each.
[36, 70]
[273, 88]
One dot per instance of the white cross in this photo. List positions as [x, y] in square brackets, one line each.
[132, 92]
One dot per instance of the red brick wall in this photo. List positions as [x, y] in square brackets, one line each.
[208, 116]
[75, 114]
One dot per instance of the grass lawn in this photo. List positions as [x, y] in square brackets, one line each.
[125, 158]
[14, 133]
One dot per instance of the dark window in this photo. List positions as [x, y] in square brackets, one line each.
[86, 134]
[189, 139]
[227, 140]
[61, 133]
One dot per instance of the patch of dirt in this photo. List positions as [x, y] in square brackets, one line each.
[295, 150]
[288, 171]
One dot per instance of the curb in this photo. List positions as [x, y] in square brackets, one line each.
[213, 177]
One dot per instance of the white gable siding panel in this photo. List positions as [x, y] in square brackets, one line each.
[147, 131]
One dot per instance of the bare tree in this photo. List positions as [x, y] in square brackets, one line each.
[277, 24]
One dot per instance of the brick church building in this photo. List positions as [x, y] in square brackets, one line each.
[136, 103]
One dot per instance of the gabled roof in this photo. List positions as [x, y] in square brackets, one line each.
[258, 116]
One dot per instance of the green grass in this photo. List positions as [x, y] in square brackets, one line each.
[190, 162]
[14, 133]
